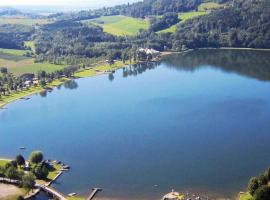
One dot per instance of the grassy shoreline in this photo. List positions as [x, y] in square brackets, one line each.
[98, 70]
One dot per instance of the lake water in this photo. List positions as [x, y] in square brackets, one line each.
[199, 121]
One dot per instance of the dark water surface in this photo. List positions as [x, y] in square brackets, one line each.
[198, 121]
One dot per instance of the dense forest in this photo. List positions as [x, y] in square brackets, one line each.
[13, 36]
[65, 41]
[245, 24]
[142, 9]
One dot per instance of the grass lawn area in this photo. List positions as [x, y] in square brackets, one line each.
[23, 21]
[120, 25]
[209, 6]
[183, 17]
[3, 162]
[104, 67]
[245, 196]
[27, 65]
[30, 44]
[14, 52]
[53, 174]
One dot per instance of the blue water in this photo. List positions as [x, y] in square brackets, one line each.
[196, 122]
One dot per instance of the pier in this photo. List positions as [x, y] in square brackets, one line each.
[94, 192]
[52, 192]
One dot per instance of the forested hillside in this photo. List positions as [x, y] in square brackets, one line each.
[13, 36]
[245, 24]
[65, 41]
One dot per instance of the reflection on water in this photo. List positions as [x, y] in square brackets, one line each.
[72, 84]
[254, 64]
[137, 69]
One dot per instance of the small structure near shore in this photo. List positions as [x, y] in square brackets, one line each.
[173, 196]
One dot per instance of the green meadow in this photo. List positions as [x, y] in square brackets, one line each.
[209, 6]
[120, 25]
[183, 17]
[19, 64]
[23, 21]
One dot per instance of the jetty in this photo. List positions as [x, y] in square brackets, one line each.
[52, 192]
[94, 192]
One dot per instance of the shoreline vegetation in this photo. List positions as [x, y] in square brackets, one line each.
[24, 179]
[97, 69]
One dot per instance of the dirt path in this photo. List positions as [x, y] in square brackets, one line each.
[9, 191]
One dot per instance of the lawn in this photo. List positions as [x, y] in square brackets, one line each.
[209, 6]
[245, 196]
[53, 174]
[14, 52]
[183, 17]
[30, 44]
[27, 65]
[3, 162]
[23, 21]
[120, 25]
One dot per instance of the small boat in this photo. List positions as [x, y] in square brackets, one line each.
[22, 148]
[72, 194]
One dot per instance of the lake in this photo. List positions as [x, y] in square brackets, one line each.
[195, 122]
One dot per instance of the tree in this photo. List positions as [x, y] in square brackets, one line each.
[11, 172]
[262, 180]
[20, 160]
[4, 70]
[253, 185]
[267, 173]
[41, 172]
[28, 181]
[262, 193]
[36, 157]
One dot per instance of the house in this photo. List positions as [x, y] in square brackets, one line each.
[28, 76]
[151, 52]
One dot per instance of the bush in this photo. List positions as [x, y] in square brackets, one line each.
[262, 193]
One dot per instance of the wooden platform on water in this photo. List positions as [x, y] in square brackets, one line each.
[94, 192]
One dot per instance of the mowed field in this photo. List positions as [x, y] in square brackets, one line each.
[19, 64]
[120, 25]
[183, 17]
[23, 21]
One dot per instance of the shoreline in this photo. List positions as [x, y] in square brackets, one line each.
[89, 72]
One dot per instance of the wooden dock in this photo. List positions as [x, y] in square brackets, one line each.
[94, 192]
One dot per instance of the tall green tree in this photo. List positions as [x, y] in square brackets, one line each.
[253, 185]
[36, 157]
[20, 160]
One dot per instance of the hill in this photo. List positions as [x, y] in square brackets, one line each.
[244, 24]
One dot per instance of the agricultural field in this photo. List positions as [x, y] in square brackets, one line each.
[183, 17]
[23, 21]
[19, 64]
[120, 25]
